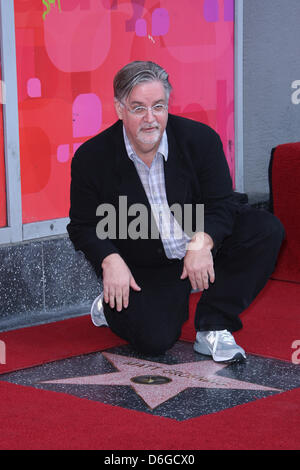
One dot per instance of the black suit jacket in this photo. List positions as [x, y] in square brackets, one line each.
[196, 172]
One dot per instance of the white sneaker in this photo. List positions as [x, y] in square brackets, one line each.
[220, 345]
[97, 314]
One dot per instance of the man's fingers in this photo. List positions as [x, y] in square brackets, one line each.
[119, 299]
[205, 282]
[193, 281]
[133, 284]
[211, 273]
[184, 274]
[200, 280]
[125, 297]
[192, 277]
[112, 299]
[105, 294]
[117, 296]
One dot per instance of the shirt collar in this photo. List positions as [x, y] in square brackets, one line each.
[162, 149]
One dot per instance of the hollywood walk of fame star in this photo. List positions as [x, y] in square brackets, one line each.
[200, 374]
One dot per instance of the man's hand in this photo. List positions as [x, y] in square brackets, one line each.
[117, 280]
[198, 262]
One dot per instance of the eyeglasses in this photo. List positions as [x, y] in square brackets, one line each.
[141, 111]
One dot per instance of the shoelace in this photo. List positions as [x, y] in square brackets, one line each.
[225, 336]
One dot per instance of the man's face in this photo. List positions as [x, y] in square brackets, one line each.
[144, 132]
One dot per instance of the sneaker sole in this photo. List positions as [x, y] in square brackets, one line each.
[203, 349]
[236, 358]
[97, 318]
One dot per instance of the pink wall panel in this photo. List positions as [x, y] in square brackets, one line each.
[3, 221]
[67, 54]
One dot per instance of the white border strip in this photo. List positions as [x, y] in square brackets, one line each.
[5, 234]
[11, 124]
[239, 95]
[45, 228]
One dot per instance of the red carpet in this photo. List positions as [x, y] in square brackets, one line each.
[35, 419]
[44, 343]
[284, 184]
[38, 419]
[270, 325]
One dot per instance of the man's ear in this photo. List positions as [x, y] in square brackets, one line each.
[118, 108]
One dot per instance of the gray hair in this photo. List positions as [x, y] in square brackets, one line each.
[137, 72]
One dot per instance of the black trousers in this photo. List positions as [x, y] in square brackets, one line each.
[243, 264]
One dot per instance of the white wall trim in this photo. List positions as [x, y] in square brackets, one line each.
[45, 228]
[239, 95]
[10, 124]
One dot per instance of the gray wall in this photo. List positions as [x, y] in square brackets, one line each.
[271, 66]
[43, 281]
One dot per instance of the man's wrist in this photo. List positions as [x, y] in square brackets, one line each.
[199, 241]
[208, 241]
[108, 259]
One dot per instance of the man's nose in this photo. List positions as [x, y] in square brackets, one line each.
[149, 116]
